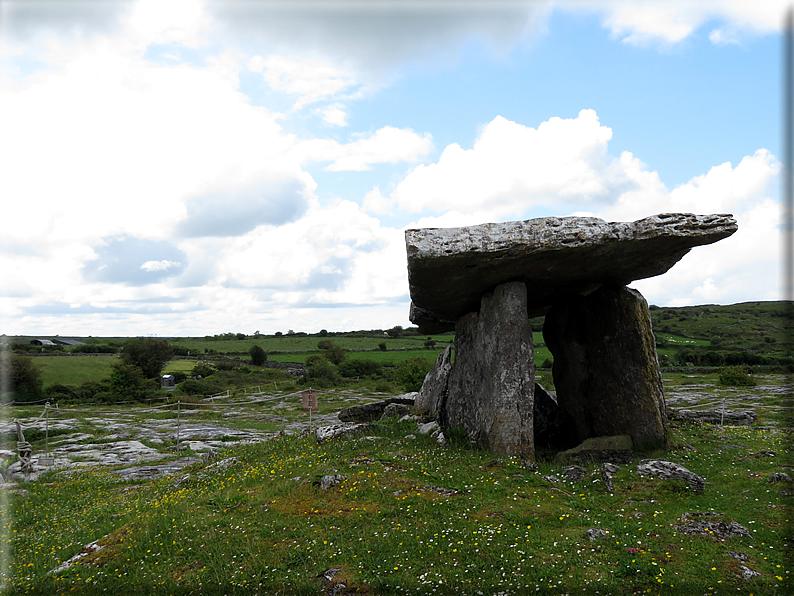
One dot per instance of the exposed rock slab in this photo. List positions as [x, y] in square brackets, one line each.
[715, 416]
[661, 468]
[491, 383]
[605, 366]
[450, 269]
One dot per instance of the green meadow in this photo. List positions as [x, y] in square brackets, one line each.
[413, 517]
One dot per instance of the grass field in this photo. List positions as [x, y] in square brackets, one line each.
[74, 370]
[412, 517]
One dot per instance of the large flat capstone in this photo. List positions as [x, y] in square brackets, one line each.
[451, 269]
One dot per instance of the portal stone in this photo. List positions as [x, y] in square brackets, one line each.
[490, 390]
[552, 426]
[606, 370]
[433, 394]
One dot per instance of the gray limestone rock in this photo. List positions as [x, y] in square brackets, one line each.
[450, 269]
[714, 529]
[330, 480]
[574, 473]
[372, 411]
[780, 477]
[714, 416]
[491, 384]
[427, 428]
[661, 468]
[595, 533]
[332, 431]
[395, 410]
[605, 366]
[747, 574]
[433, 394]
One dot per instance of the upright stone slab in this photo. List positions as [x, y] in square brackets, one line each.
[433, 394]
[490, 390]
[605, 366]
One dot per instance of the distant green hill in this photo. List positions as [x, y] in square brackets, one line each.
[752, 333]
[758, 326]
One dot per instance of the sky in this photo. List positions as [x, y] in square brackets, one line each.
[194, 167]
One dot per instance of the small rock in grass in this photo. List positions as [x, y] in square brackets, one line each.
[596, 533]
[747, 573]
[574, 473]
[327, 482]
[410, 418]
[662, 468]
[716, 529]
[427, 428]
[442, 440]
[780, 477]
[410, 436]
[738, 556]
[551, 479]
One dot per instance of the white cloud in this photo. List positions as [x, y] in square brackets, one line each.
[161, 22]
[723, 37]
[386, 145]
[335, 115]
[722, 189]
[512, 168]
[312, 80]
[163, 265]
[641, 22]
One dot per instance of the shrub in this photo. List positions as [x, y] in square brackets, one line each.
[202, 370]
[258, 355]
[412, 372]
[147, 353]
[127, 382]
[322, 373]
[25, 377]
[547, 363]
[179, 376]
[359, 368]
[430, 343]
[96, 349]
[737, 375]
[331, 351]
[204, 387]
[382, 346]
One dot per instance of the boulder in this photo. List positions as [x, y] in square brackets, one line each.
[605, 366]
[373, 411]
[395, 410]
[490, 387]
[713, 529]
[450, 269]
[332, 431]
[433, 393]
[574, 473]
[662, 468]
[600, 449]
